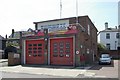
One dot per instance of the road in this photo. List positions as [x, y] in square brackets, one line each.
[107, 71]
[23, 75]
[97, 71]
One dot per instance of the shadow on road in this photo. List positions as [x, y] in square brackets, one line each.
[50, 66]
[98, 67]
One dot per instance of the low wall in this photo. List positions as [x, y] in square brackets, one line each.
[13, 59]
[114, 53]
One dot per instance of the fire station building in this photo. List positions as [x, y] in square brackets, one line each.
[62, 42]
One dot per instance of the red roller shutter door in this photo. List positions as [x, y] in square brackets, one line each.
[34, 51]
[61, 51]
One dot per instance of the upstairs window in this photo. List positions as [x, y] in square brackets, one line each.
[107, 35]
[88, 29]
[118, 35]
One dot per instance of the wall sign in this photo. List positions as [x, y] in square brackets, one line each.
[28, 34]
[16, 55]
[77, 52]
[54, 26]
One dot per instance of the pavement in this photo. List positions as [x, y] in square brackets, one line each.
[63, 72]
[3, 60]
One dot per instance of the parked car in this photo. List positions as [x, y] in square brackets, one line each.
[105, 59]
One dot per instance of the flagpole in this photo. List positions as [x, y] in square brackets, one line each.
[76, 11]
[60, 9]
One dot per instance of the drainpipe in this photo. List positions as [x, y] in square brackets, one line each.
[46, 46]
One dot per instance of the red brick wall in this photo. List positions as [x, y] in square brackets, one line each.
[87, 41]
[113, 53]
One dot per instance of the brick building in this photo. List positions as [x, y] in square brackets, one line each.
[61, 42]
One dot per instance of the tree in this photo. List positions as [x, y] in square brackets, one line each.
[101, 47]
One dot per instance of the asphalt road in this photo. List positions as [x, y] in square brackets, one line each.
[107, 71]
[101, 71]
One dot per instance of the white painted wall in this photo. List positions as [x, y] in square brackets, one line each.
[112, 39]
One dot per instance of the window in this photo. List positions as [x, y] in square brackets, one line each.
[29, 45]
[88, 29]
[61, 50]
[118, 35]
[67, 45]
[55, 51]
[108, 46]
[34, 48]
[55, 55]
[29, 52]
[61, 45]
[40, 48]
[61, 55]
[39, 44]
[107, 35]
[30, 48]
[39, 51]
[34, 51]
[34, 44]
[55, 45]
[67, 51]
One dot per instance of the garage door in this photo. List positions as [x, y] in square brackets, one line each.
[61, 51]
[34, 51]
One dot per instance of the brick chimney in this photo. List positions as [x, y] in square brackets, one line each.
[106, 25]
[13, 33]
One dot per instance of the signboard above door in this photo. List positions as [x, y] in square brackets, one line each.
[54, 26]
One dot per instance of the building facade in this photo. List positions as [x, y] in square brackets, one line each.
[61, 42]
[110, 37]
[14, 38]
[2, 43]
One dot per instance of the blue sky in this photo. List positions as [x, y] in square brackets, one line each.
[20, 14]
[106, 12]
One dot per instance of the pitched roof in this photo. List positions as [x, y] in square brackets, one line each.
[58, 19]
[1, 37]
[111, 30]
[17, 34]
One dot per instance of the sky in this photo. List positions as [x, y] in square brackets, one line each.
[20, 14]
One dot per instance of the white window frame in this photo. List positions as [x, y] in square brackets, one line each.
[107, 36]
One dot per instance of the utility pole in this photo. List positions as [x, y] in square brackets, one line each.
[60, 9]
